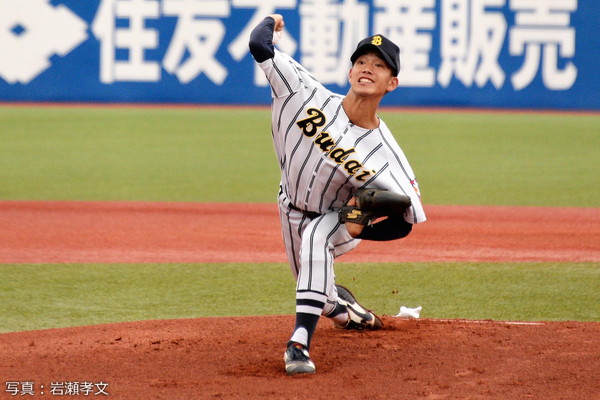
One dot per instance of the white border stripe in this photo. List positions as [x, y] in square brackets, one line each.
[489, 321]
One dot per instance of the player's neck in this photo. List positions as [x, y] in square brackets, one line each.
[361, 111]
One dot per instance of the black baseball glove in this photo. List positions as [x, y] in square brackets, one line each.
[372, 204]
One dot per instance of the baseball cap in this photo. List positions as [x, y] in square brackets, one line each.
[385, 47]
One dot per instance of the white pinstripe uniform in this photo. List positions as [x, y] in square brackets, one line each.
[324, 158]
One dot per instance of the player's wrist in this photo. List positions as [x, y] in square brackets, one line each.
[354, 229]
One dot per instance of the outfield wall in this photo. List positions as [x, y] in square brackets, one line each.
[540, 54]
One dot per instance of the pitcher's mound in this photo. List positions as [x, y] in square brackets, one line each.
[242, 358]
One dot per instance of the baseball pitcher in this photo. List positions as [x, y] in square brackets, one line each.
[343, 178]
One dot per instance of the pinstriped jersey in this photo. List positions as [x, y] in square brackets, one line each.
[322, 155]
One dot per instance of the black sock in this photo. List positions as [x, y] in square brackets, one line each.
[338, 309]
[308, 322]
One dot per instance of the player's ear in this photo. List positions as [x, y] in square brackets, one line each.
[392, 84]
[350, 74]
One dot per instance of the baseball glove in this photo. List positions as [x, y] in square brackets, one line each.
[372, 204]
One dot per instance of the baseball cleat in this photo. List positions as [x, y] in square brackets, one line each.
[297, 360]
[359, 317]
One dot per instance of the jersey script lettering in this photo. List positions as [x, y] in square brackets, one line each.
[310, 128]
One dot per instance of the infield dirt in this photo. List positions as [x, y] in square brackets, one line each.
[241, 357]
[130, 232]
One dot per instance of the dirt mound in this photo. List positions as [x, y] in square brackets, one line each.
[241, 358]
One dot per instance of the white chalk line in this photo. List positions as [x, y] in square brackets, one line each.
[475, 321]
[489, 321]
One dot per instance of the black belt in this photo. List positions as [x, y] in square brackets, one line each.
[308, 214]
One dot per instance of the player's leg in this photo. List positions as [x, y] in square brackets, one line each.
[312, 246]
[322, 240]
[315, 282]
[292, 225]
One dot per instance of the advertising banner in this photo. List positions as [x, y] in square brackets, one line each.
[535, 54]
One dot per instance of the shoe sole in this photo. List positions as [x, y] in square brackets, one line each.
[300, 368]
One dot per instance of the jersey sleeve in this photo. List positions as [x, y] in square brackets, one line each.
[410, 186]
[261, 40]
[400, 177]
[285, 75]
[391, 228]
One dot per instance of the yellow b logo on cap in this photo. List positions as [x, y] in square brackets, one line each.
[376, 40]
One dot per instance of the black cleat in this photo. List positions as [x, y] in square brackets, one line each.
[297, 360]
[359, 317]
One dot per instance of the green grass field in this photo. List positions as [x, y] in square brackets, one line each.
[208, 155]
[224, 155]
[49, 296]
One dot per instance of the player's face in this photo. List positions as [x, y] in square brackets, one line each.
[370, 74]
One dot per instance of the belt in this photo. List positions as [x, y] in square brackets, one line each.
[308, 214]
